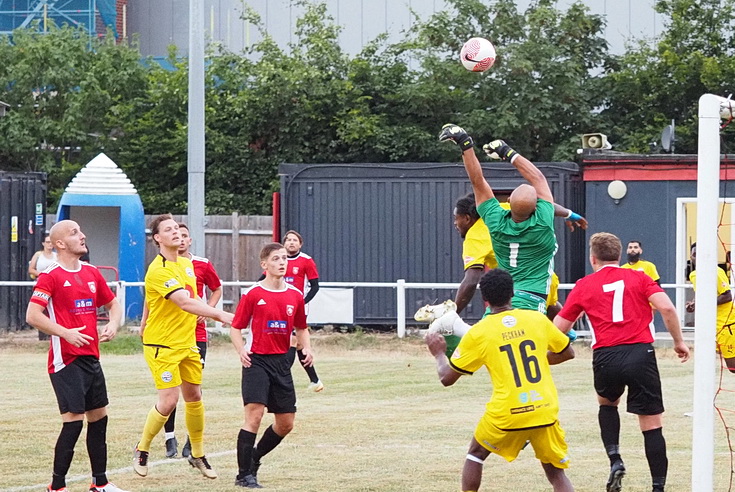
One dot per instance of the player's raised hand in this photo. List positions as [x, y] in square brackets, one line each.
[75, 336]
[498, 149]
[456, 134]
[577, 220]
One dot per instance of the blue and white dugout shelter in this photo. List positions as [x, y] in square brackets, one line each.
[106, 205]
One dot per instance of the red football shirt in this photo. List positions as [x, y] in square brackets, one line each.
[71, 299]
[300, 267]
[616, 302]
[206, 275]
[272, 315]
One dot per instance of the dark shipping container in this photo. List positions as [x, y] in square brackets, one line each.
[22, 229]
[383, 222]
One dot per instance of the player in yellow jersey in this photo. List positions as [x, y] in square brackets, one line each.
[517, 346]
[634, 251]
[169, 343]
[725, 311]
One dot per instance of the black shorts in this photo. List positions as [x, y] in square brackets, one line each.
[268, 381]
[633, 366]
[202, 351]
[80, 386]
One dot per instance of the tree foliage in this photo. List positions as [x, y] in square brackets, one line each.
[310, 102]
[656, 82]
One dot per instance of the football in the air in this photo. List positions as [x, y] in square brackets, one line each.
[477, 55]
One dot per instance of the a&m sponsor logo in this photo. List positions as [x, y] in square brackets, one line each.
[84, 306]
[275, 327]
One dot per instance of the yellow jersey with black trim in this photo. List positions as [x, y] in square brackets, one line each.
[168, 325]
[553, 296]
[644, 266]
[513, 345]
[726, 311]
[477, 248]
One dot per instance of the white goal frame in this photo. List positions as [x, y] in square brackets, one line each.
[712, 109]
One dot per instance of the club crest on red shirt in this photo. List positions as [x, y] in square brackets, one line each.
[295, 270]
[92, 287]
[290, 310]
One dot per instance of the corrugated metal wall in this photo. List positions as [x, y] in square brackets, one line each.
[382, 222]
[22, 229]
[161, 23]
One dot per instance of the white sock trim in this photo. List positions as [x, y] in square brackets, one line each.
[170, 435]
[474, 458]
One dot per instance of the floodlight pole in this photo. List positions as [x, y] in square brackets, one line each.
[196, 141]
[705, 319]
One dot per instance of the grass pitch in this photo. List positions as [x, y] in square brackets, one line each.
[383, 423]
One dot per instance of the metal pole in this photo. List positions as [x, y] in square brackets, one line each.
[196, 142]
[705, 318]
[401, 307]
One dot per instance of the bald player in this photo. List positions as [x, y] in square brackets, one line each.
[523, 237]
[64, 305]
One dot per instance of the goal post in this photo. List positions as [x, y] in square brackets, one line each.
[712, 109]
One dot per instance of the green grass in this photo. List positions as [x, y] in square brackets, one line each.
[383, 423]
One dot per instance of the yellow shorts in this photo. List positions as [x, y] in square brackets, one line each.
[726, 341]
[548, 442]
[170, 366]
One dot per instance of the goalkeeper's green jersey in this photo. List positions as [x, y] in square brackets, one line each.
[524, 249]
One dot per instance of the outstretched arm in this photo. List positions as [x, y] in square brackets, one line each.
[467, 288]
[498, 149]
[572, 218]
[457, 135]
[437, 346]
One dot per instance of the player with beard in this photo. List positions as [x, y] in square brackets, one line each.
[635, 250]
[70, 292]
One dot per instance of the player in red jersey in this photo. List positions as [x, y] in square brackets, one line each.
[300, 268]
[616, 301]
[206, 276]
[272, 309]
[64, 305]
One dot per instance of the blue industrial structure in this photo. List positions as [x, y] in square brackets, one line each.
[92, 15]
[103, 201]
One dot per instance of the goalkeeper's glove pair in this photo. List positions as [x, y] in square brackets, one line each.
[497, 149]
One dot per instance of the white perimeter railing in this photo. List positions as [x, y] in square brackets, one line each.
[400, 286]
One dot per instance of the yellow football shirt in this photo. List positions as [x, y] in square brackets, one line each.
[725, 312]
[512, 345]
[644, 266]
[553, 296]
[168, 325]
[477, 248]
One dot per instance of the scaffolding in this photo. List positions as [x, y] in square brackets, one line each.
[96, 16]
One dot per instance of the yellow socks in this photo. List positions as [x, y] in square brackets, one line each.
[153, 425]
[195, 426]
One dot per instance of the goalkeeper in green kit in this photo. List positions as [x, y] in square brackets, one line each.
[523, 237]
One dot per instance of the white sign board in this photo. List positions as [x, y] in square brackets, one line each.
[331, 305]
